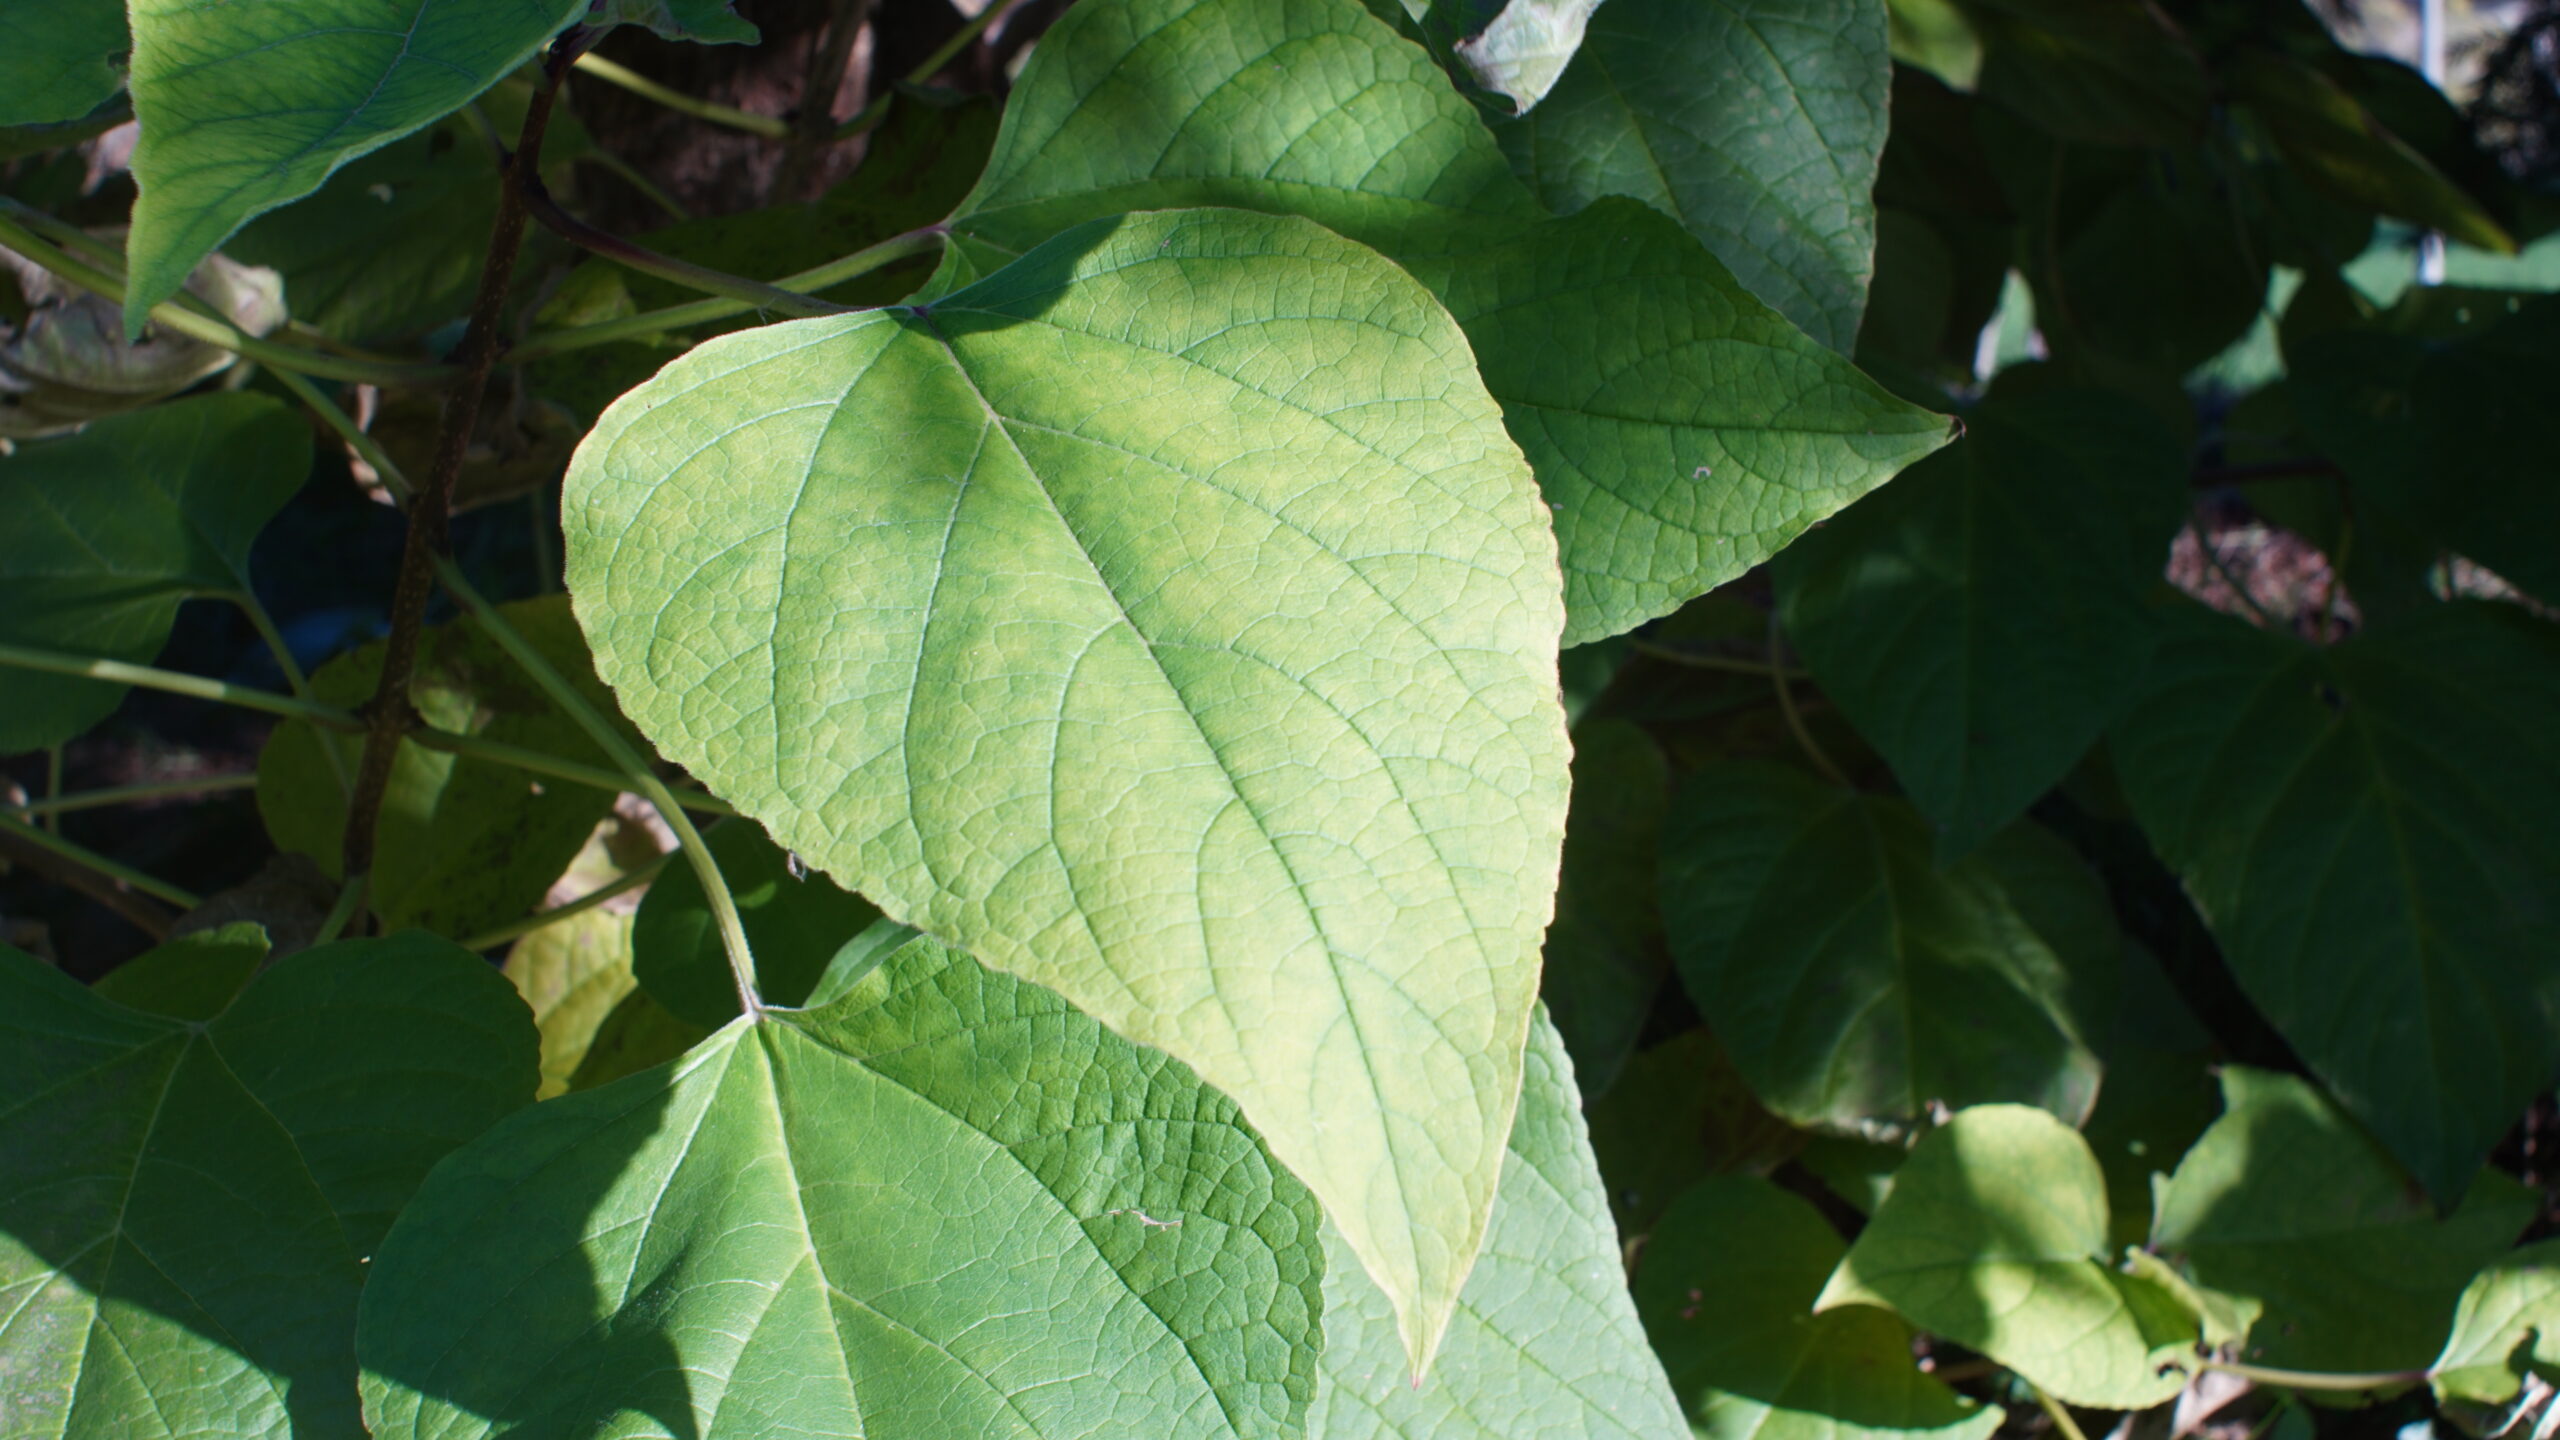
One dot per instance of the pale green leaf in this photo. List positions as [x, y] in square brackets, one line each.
[573, 973]
[463, 844]
[2383, 899]
[635, 1035]
[1935, 36]
[2508, 1320]
[2288, 1202]
[186, 1207]
[1167, 618]
[1726, 1287]
[946, 1205]
[1758, 124]
[1682, 431]
[1982, 618]
[1604, 955]
[246, 107]
[1524, 50]
[59, 59]
[64, 361]
[110, 529]
[796, 921]
[1856, 983]
[1545, 1341]
[1994, 1236]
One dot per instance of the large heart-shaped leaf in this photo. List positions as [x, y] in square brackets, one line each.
[1756, 123]
[1682, 430]
[245, 107]
[1169, 620]
[110, 529]
[1855, 983]
[2384, 903]
[944, 1205]
[1983, 617]
[1545, 1341]
[464, 843]
[1727, 1286]
[1993, 1236]
[186, 1207]
[57, 59]
[2288, 1202]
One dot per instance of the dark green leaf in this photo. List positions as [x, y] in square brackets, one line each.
[192, 977]
[110, 529]
[1727, 1286]
[187, 1206]
[796, 921]
[245, 108]
[1856, 983]
[2099, 72]
[1546, 1341]
[1756, 123]
[2373, 832]
[704, 22]
[59, 59]
[1982, 618]
[1604, 955]
[1679, 1114]
[464, 844]
[946, 1204]
[2288, 1202]
[2338, 144]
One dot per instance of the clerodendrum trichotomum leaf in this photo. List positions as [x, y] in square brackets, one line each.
[943, 1204]
[2373, 831]
[1681, 430]
[1545, 1342]
[246, 107]
[186, 1206]
[1169, 620]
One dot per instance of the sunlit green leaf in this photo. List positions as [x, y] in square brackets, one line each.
[244, 108]
[186, 1206]
[2288, 1202]
[1756, 123]
[1168, 618]
[796, 921]
[110, 529]
[944, 1205]
[1984, 616]
[1523, 51]
[464, 844]
[1727, 1286]
[1994, 1236]
[59, 59]
[1545, 1341]
[2508, 1320]
[572, 973]
[2385, 904]
[1682, 431]
[1855, 982]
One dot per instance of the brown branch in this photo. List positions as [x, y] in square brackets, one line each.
[389, 714]
[813, 124]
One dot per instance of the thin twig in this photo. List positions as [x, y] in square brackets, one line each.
[389, 713]
[632, 256]
[342, 911]
[138, 910]
[931, 66]
[2212, 555]
[2061, 1417]
[641, 85]
[1795, 721]
[88, 859]
[1699, 660]
[137, 794]
[52, 787]
[179, 316]
[491, 940]
[2315, 1379]
[813, 124]
[698, 312]
[294, 679]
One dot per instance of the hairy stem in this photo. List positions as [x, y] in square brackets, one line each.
[2315, 1379]
[195, 321]
[2061, 1417]
[1699, 660]
[294, 679]
[677, 317]
[389, 713]
[712, 110]
[87, 859]
[943, 54]
[813, 125]
[491, 940]
[1795, 720]
[133, 794]
[756, 294]
[342, 911]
